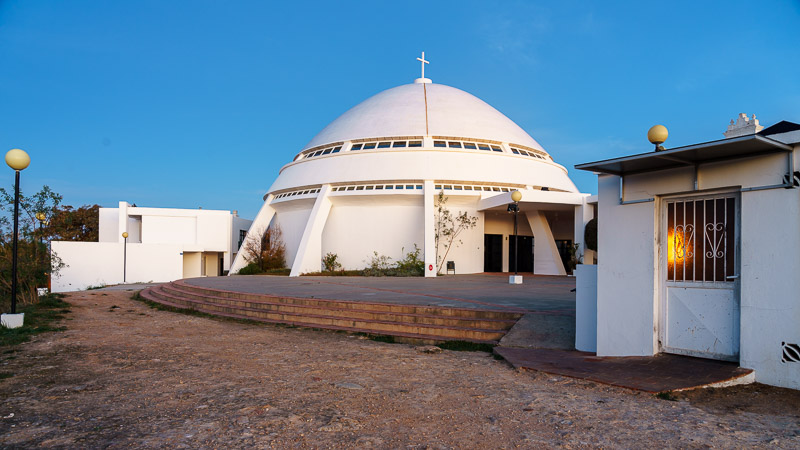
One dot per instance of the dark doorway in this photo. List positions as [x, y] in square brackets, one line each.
[563, 251]
[525, 249]
[492, 253]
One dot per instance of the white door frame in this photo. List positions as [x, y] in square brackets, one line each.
[662, 255]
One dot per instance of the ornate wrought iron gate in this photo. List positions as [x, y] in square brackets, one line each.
[700, 260]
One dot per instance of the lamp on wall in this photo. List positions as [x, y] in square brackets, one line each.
[657, 135]
[124, 256]
[516, 196]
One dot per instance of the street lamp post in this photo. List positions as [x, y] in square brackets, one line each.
[40, 216]
[18, 160]
[124, 256]
[516, 196]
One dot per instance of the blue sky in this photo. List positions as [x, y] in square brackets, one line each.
[195, 103]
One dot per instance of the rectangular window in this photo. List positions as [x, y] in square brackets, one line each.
[454, 144]
[439, 144]
[415, 144]
[514, 151]
[701, 240]
[356, 147]
[326, 151]
[318, 153]
[336, 149]
[379, 187]
[496, 148]
[399, 144]
[483, 147]
[384, 144]
[419, 186]
[389, 186]
[369, 146]
[458, 188]
[470, 145]
[467, 188]
[399, 186]
[369, 188]
[350, 188]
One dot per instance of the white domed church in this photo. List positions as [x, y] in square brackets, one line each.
[369, 182]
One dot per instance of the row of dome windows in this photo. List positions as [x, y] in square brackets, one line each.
[418, 143]
[293, 193]
[386, 144]
[467, 145]
[378, 187]
[518, 151]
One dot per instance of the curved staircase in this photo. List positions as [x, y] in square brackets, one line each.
[410, 323]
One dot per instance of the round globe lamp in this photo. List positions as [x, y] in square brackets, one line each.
[516, 196]
[657, 135]
[18, 160]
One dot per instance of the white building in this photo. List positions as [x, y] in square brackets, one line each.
[369, 180]
[163, 244]
[698, 251]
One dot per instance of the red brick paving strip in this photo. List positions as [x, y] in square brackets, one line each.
[658, 373]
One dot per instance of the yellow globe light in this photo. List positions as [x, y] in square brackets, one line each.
[125, 234]
[40, 216]
[17, 159]
[516, 196]
[657, 134]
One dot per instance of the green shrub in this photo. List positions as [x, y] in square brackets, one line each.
[330, 262]
[410, 265]
[378, 266]
[251, 269]
[590, 235]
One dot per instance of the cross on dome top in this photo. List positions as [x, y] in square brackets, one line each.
[422, 63]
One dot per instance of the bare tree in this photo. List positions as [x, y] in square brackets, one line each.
[266, 249]
[447, 228]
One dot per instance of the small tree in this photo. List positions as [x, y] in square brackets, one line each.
[447, 228]
[330, 262]
[265, 249]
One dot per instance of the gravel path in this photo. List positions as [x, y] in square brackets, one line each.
[126, 375]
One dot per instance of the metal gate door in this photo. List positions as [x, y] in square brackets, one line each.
[701, 280]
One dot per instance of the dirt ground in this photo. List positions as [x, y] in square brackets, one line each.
[126, 375]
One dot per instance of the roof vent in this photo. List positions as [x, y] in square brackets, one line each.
[743, 126]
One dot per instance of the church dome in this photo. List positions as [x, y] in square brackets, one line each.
[423, 109]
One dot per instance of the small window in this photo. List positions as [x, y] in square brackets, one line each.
[496, 148]
[398, 144]
[458, 188]
[318, 153]
[545, 188]
[448, 187]
[454, 144]
[419, 186]
[359, 188]
[515, 151]
[467, 188]
[336, 149]
[438, 186]
[496, 189]
[483, 147]
[399, 186]
[350, 188]
[369, 188]
[369, 146]
[409, 186]
[504, 189]
[439, 143]
[389, 186]
[356, 147]
[415, 144]
[384, 144]
[470, 145]
[326, 151]
[379, 187]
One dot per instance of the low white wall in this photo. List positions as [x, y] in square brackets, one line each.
[586, 308]
[625, 274]
[101, 263]
[770, 286]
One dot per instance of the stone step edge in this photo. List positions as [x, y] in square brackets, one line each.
[511, 312]
[413, 336]
[317, 316]
[507, 322]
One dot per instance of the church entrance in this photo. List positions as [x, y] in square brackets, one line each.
[492, 252]
[525, 252]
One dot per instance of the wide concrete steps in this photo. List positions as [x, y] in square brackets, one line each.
[426, 324]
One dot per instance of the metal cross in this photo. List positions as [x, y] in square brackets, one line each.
[423, 62]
